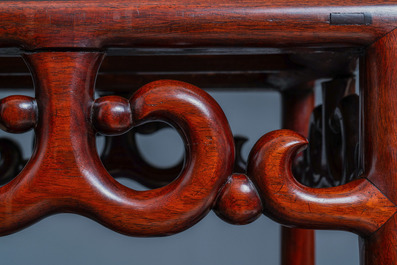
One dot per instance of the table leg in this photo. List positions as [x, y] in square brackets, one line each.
[379, 123]
[297, 245]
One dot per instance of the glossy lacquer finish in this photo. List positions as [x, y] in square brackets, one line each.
[124, 23]
[65, 173]
[18, 114]
[380, 141]
[297, 245]
[357, 206]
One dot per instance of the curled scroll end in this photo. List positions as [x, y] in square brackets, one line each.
[269, 167]
[273, 153]
[209, 160]
[357, 206]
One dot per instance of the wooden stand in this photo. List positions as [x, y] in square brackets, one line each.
[216, 45]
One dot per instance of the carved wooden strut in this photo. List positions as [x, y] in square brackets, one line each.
[66, 175]
[347, 184]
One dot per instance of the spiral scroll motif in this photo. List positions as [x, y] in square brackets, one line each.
[357, 206]
[65, 173]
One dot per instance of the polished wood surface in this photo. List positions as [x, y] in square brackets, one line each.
[66, 175]
[97, 24]
[286, 45]
[111, 115]
[380, 247]
[357, 206]
[297, 245]
[380, 141]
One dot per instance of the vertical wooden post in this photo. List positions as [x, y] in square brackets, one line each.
[379, 140]
[297, 245]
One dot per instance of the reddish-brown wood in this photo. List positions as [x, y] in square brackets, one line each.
[297, 106]
[380, 140]
[122, 158]
[379, 110]
[357, 206]
[18, 114]
[11, 161]
[66, 175]
[111, 115]
[98, 24]
[206, 68]
[238, 201]
[381, 246]
[297, 245]
[65, 41]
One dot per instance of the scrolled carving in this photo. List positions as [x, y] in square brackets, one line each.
[122, 158]
[65, 173]
[357, 206]
[18, 114]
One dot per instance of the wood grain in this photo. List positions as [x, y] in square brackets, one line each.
[298, 246]
[111, 115]
[381, 246]
[64, 43]
[357, 206]
[380, 141]
[65, 173]
[18, 114]
[96, 24]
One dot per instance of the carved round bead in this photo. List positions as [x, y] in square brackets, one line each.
[112, 115]
[238, 202]
[18, 114]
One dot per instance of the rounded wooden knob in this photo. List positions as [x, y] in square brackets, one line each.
[18, 114]
[111, 115]
[238, 202]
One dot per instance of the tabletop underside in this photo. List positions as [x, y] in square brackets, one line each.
[281, 45]
[218, 23]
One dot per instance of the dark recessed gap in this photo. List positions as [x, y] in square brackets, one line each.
[15, 149]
